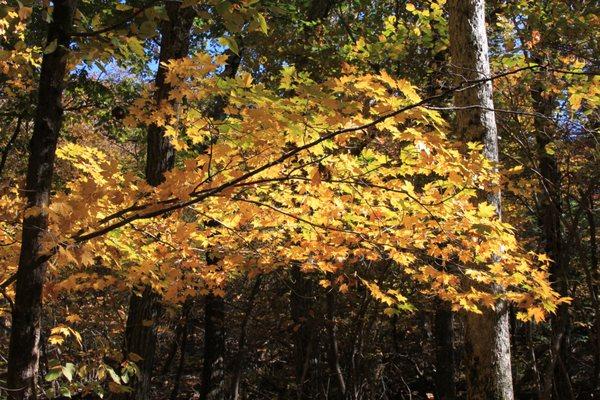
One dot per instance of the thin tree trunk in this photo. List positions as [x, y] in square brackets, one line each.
[550, 213]
[23, 353]
[487, 341]
[333, 351]
[213, 367]
[144, 310]
[10, 143]
[186, 327]
[444, 352]
[593, 281]
[300, 305]
[241, 353]
[213, 371]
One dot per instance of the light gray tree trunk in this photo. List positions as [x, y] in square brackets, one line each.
[487, 341]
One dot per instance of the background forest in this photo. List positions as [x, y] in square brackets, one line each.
[305, 199]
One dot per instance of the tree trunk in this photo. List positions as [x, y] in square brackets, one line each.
[593, 281]
[241, 353]
[487, 342]
[140, 332]
[444, 352]
[186, 328]
[333, 351]
[300, 309]
[550, 214]
[213, 371]
[23, 353]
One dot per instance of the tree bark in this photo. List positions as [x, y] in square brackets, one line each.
[333, 351]
[304, 326]
[186, 328]
[241, 353]
[11, 141]
[592, 276]
[144, 310]
[444, 352]
[487, 341]
[213, 371]
[550, 214]
[23, 353]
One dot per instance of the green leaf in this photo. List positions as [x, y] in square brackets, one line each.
[113, 374]
[68, 370]
[550, 149]
[148, 28]
[123, 7]
[64, 391]
[230, 43]
[53, 374]
[51, 48]
[262, 23]
[135, 46]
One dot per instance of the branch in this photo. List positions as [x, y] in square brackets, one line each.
[116, 25]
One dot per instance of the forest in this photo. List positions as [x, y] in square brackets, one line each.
[301, 199]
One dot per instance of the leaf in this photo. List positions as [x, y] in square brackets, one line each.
[550, 149]
[24, 12]
[315, 179]
[135, 46]
[262, 23]
[51, 47]
[134, 357]
[68, 370]
[148, 28]
[64, 391]
[116, 388]
[53, 374]
[230, 43]
[113, 374]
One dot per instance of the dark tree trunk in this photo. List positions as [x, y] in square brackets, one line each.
[23, 353]
[443, 329]
[186, 327]
[333, 351]
[11, 141]
[301, 301]
[487, 341]
[550, 210]
[593, 279]
[213, 371]
[241, 353]
[144, 310]
[444, 352]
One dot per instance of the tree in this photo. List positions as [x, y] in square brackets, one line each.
[144, 310]
[23, 354]
[488, 363]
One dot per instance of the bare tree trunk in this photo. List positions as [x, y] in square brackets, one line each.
[213, 371]
[186, 327]
[333, 351]
[23, 353]
[487, 342]
[300, 305]
[592, 276]
[11, 141]
[550, 214]
[241, 353]
[144, 311]
[444, 352]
